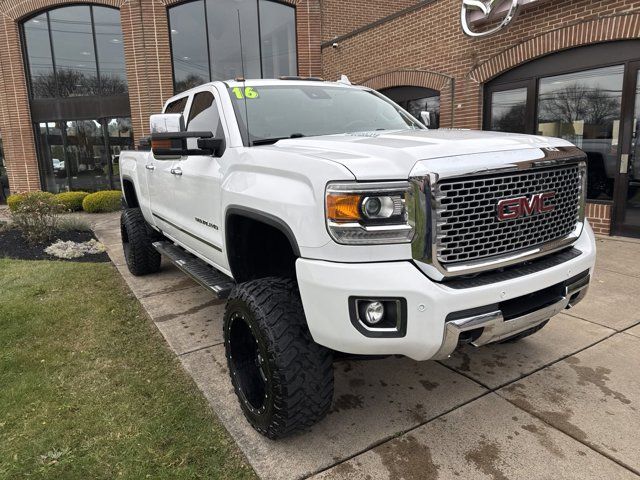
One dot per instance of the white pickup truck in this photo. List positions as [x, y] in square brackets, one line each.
[333, 221]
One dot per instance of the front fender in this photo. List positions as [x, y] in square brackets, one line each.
[287, 199]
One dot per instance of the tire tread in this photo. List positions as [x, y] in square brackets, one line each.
[142, 258]
[303, 370]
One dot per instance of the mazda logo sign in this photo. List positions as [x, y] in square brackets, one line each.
[487, 10]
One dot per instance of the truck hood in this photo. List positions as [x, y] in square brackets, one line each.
[392, 155]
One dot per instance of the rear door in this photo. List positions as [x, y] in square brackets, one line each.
[197, 187]
[161, 182]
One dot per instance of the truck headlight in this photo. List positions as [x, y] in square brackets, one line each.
[369, 213]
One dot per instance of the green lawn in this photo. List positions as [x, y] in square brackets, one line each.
[88, 388]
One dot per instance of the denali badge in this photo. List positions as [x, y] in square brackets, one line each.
[512, 208]
[485, 10]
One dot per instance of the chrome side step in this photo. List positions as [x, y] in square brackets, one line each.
[200, 271]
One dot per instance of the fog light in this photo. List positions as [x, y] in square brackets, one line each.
[379, 317]
[374, 313]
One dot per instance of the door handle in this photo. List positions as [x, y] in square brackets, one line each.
[624, 163]
[176, 171]
[150, 166]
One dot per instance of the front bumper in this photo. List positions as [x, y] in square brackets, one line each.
[493, 326]
[433, 322]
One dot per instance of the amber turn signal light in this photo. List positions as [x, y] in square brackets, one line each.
[158, 144]
[343, 207]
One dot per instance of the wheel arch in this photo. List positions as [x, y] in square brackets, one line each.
[241, 220]
[129, 192]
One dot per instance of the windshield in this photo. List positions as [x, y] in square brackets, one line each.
[290, 111]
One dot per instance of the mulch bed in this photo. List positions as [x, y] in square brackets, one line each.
[12, 245]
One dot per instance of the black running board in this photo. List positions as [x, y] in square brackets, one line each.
[199, 270]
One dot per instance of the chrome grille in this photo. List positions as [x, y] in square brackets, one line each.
[466, 212]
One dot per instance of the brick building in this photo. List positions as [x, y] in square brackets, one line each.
[564, 68]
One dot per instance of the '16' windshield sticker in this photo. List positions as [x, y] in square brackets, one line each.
[249, 92]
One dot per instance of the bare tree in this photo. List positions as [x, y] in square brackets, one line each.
[69, 83]
[188, 82]
[513, 120]
[577, 102]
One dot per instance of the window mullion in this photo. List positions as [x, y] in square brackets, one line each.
[95, 50]
[53, 57]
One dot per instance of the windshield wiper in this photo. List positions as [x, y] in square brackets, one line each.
[271, 141]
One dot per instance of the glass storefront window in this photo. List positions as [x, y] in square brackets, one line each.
[206, 40]
[113, 75]
[82, 154]
[277, 39]
[43, 81]
[632, 211]
[585, 108]
[86, 155]
[430, 105]
[120, 138]
[52, 159]
[73, 51]
[77, 51]
[509, 111]
[189, 45]
[422, 103]
[224, 38]
[59, 46]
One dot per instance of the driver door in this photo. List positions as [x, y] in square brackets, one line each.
[161, 181]
[197, 186]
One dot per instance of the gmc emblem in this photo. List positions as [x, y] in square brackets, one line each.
[512, 208]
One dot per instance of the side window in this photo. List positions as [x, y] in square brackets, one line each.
[177, 106]
[204, 115]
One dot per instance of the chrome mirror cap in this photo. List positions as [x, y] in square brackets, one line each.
[166, 123]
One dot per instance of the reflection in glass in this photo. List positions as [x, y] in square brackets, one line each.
[426, 106]
[224, 38]
[64, 38]
[268, 49]
[278, 39]
[73, 51]
[86, 155]
[189, 45]
[113, 77]
[632, 212]
[584, 108]
[52, 157]
[509, 111]
[75, 155]
[38, 47]
[120, 138]
[422, 103]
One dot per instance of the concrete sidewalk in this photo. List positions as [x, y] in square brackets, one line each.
[561, 404]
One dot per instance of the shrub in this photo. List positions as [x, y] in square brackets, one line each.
[14, 200]
[36, 216]
[101, 202]
[72, 201]
[71, 223]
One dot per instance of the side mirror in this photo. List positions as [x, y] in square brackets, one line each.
[166, 122]
[426, 118]
[170, 145]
